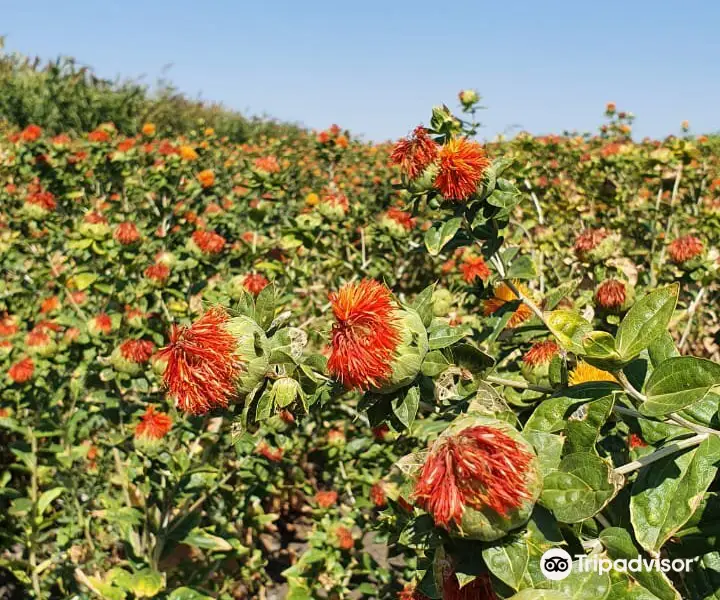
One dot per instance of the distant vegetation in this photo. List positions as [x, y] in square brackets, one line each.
[62, 96]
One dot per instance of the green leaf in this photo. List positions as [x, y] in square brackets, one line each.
[586, 421]
[147, 583]
[508, 560]
[82, 281]
[580, 488]
[646, 321]
[539, 595]
[662, 349]
[186, 593]
[47, 497]
[548, 447]
[423, 305]
[199, 538]
[620, 545]
[473, 359]
[665, 495]
[441, 335]
[600, 351]
[580, 585]
[554, 296]
[434, 363]
[569, 328]
[679, 382]
[438, 236]
[265, 306]
[703, 581]
[406, 407]
[522, 268]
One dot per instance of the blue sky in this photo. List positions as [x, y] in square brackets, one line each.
[377, 67]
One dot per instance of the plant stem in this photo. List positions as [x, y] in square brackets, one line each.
[691, 317]
[696, 440]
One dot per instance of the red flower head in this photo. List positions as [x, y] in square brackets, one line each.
[202, 366]
[157, 272]
[365, 335]
[405, 219]
[378, 495]
[255, 283]
[410, 592]
[474, 267]
[344, 538]
[326, 498]
[685, 248]
[31, 133]
[462, 165]
[22, 370]
[636, 441]
[479, 467]
[541, 353]
[8, 326]
[42, 199]
[102, 323]
[137, 351]
[415, 153]
[272, 454]
[153, 425]
[95, 218]
[99, 135]
[611, 294]
[126, 233]
[49, 304]
[209, 242]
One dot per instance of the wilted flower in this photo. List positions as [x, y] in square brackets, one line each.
[153, 425]
[202, 366]
[415, 153]
[365, 335]
[614, 295]
[590, 241]
[22, 370]
[685, 248]
[462, 165]
[478, 467]
[503, 294]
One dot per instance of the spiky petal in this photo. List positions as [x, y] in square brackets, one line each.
[365, 335]
[480, 467]
[462, 165]
[415, 153]
[153, 425]
[202, 366]
[685, 248]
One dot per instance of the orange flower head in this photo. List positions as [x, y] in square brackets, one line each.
[206, 178]
[541, 353]
[42, 199]
[326, 498]
[502, 295]
[365, 335]
[272, 454]
[462, 165]
[202, 366]
[137, 351]
[378, 495]
[126, 233]
[268, 164]
[255, 283]
[49, 304]
[31, 133]
[413, 154]
[102, 323]
[480, 467]
[685, 248]
[153, 425]
[22, 370]
[344, 538]
[148, 129]
[8, 326]
[474, 267]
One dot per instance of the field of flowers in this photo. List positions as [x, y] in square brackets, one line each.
[311, 367]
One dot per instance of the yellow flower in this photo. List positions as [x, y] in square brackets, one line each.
[148, 129]
[502, 294]
[209, 131]
[188, 153]
[585, 372]
[312, 199]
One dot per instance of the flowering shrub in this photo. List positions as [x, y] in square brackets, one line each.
[330, 369]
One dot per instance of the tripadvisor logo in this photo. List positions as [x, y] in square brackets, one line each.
[556, 564]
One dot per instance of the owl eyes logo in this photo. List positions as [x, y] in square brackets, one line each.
[556, 564]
